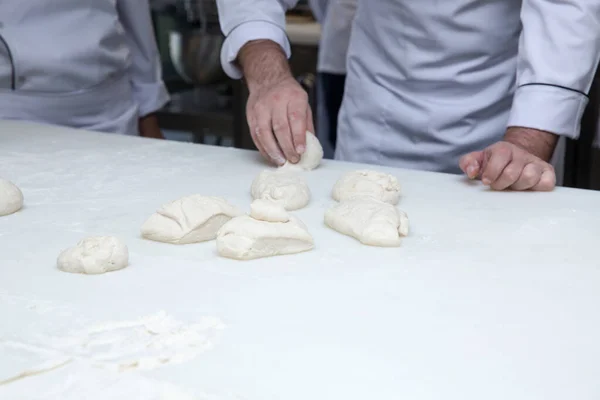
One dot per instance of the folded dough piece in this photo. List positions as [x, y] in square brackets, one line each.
[312, 156]
[247, 238]
[384, 187]
[373, 222]
[191, 219]
[284, 185]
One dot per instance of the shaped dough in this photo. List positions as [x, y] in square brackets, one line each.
[94, 255]
[286, 186]
[371, 221]
[378, 185]
[191, 219]
[268, 210]
[246, 238]
[312, 156]
[11, 198]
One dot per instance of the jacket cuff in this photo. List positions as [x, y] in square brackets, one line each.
[244, 33]
[548, 108]
[150, 97]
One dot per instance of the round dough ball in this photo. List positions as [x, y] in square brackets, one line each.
[94, 255]
[287, 187]
[11, 198]
[366, 183]
[312, 156]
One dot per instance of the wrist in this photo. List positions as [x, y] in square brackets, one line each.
[264, 63]
[539, 143]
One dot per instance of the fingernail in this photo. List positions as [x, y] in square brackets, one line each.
[279, 160]
[300, 149]
[471, 171]
[486, 181]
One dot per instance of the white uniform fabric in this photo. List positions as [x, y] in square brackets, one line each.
[429, 81]
[335, 36]
[90, 64]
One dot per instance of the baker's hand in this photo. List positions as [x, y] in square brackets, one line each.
[279, 116]
[278, 112]
[519, 162]
[148, 127]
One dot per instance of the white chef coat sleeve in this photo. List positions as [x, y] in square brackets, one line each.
[559, 50]
[245, 20]
[145, 71]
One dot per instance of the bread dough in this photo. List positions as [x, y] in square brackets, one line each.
[384, 187]
[191, 219]
[286, 186]
[312, 156]
[247, 238]
[11, 198]
[373, 222]
[268, 210]
[94, 255]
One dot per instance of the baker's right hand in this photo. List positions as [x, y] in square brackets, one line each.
[279, 115]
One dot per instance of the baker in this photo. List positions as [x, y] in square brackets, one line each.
[84, 64]
[482, 86]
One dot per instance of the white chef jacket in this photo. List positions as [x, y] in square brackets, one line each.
[335, 36]
[89, 64]
[429, 80]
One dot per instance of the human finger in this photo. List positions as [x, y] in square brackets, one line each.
[264, 134]
[496, 158]
[310, 125]
[547, 180]
[509, 175]
[253, 127]
[283, 133]
[470, 164]
[530, 176]
[297, 115]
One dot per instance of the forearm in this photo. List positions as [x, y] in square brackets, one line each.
[539, 143]
[263, 62]
[559, 51]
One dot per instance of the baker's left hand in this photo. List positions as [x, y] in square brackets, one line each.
[148, 127]
[519, 162]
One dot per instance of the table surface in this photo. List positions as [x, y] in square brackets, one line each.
[492, 296]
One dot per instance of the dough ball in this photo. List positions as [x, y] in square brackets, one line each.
[287, 187]
[312, 156]
[268, 210]
[246, 238]
[191, 219]
[371, 221]
[94, 255]
[384, 187]
[11, 198]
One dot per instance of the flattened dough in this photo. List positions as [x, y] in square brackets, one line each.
[312, 156]
[191, 219]
[11, 198]
[285, 186]
[371, 221]
[247, 238]
[384, 187]
[94, 255]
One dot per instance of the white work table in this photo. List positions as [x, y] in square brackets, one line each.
[493, 296]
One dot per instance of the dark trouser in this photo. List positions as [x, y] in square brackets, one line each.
[332, 86]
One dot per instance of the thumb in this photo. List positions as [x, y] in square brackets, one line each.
[471, 164]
